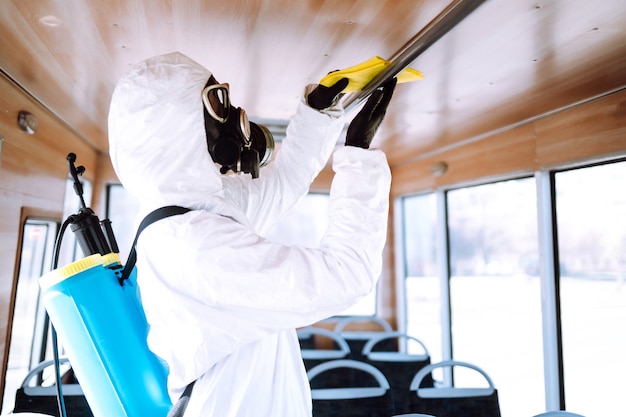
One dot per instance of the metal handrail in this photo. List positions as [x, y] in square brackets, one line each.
[453, 14]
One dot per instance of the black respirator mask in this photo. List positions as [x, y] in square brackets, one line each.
[233, 141]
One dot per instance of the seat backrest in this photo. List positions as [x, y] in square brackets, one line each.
[306, 338]
[36, 397]
[348, 393]
[314, 356]
[371, 350]
[398, 367]
[413, 415]
[356, 338]
[452, 401]
[346, 321]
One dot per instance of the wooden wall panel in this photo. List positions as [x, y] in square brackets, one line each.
[589, 131]
[9, 220]
[323, 180]
[43, 153]
[33, 171]
[507, 152]
[387, 283]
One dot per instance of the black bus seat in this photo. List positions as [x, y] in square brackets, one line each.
[34, 397]
[356, 338]
[353, 389]
[398, 367]
[313, 357]
[453, 401]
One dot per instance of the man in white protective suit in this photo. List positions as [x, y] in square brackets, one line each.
[222, 302]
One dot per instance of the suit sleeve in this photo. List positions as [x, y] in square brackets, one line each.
[310, 139]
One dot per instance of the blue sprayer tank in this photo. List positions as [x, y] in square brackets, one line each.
[103, 329]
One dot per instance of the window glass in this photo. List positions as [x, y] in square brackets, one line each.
[31, 333]
[422, 289]
[29, 328]
[591, 219]
[70, 249]
[495, 291]
[122, 210]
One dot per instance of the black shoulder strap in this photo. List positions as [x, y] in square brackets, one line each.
[178, 410]
[157, 214]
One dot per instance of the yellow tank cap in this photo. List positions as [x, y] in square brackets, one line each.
[53, 277]
[111, 258]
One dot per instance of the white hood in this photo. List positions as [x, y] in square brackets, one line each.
[156, 134]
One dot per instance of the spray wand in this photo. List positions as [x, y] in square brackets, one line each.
[94, 236]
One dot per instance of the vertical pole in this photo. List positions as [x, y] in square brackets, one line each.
[400, 267]
[443, 261]
[550, 305]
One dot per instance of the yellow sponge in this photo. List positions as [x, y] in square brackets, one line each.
[361, 74]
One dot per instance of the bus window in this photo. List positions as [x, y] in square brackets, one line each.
[591, 220]
[30, 330]
[422, 290]
[30, 326]
[495, 292]
[70, 250]
[121, 210]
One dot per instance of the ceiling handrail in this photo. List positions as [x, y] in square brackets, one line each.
[453, 14]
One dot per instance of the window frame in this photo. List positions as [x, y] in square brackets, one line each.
[549, 272]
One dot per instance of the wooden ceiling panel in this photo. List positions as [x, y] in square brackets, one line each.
[509, 61]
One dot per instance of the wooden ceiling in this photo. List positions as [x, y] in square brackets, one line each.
[507, 62]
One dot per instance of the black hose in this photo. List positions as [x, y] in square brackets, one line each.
[55, 344]
[57, 368]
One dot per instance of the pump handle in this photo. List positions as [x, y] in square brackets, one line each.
[75, 172]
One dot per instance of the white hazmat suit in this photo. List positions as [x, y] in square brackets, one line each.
[222, 302]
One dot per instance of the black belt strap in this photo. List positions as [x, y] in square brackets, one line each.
[179, 408]
[157, 214]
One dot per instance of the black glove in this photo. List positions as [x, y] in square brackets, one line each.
[363, 127]
[322, 97]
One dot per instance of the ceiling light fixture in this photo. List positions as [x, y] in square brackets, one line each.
[27, 122]
[50, 20]
[438, 169]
